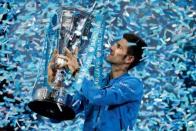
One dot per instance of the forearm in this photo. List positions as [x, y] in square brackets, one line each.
[125, 91]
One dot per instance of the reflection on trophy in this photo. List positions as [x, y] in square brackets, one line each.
[54, 101]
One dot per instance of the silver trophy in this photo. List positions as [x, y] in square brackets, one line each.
[54, 101]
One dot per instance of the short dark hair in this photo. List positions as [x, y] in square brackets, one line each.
[134, 50]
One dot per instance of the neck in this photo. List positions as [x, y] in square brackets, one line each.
[117, 71]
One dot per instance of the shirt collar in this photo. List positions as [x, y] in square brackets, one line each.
[118, 78]
[107, 82]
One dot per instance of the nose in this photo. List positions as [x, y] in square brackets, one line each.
[112, 47]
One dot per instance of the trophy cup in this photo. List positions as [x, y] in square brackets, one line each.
[54, 101]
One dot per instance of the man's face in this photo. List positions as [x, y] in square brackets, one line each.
[118, 52]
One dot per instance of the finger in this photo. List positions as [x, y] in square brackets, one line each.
[62, 66]
[70, 67]
[76, 51]
[67, 51]
[61, 57]
[55, 52]
[67, 58]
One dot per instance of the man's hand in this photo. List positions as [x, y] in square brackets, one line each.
[55, 63]
[71, 59]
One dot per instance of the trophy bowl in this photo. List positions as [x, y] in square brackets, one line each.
[52, 105]
[50, 109]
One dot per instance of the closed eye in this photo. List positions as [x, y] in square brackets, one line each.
[119, 46]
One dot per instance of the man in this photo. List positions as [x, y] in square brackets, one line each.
[115, 106]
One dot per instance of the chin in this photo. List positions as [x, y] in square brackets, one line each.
[108, 59]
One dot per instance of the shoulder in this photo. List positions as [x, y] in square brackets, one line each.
[132, 82]
[129, 78]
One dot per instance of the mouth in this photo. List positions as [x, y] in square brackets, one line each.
[111, 53]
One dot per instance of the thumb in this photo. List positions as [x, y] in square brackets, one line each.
[55, 53]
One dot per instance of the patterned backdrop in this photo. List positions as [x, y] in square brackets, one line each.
[167, 69]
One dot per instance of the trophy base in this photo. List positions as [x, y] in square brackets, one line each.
[51, 109]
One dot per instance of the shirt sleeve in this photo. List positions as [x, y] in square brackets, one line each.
[119, 93]
[78, 102]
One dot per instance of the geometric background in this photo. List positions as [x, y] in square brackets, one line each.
[167, 70]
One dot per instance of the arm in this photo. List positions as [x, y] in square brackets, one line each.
[127, 90]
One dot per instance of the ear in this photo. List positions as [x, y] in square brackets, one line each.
[129, 59]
